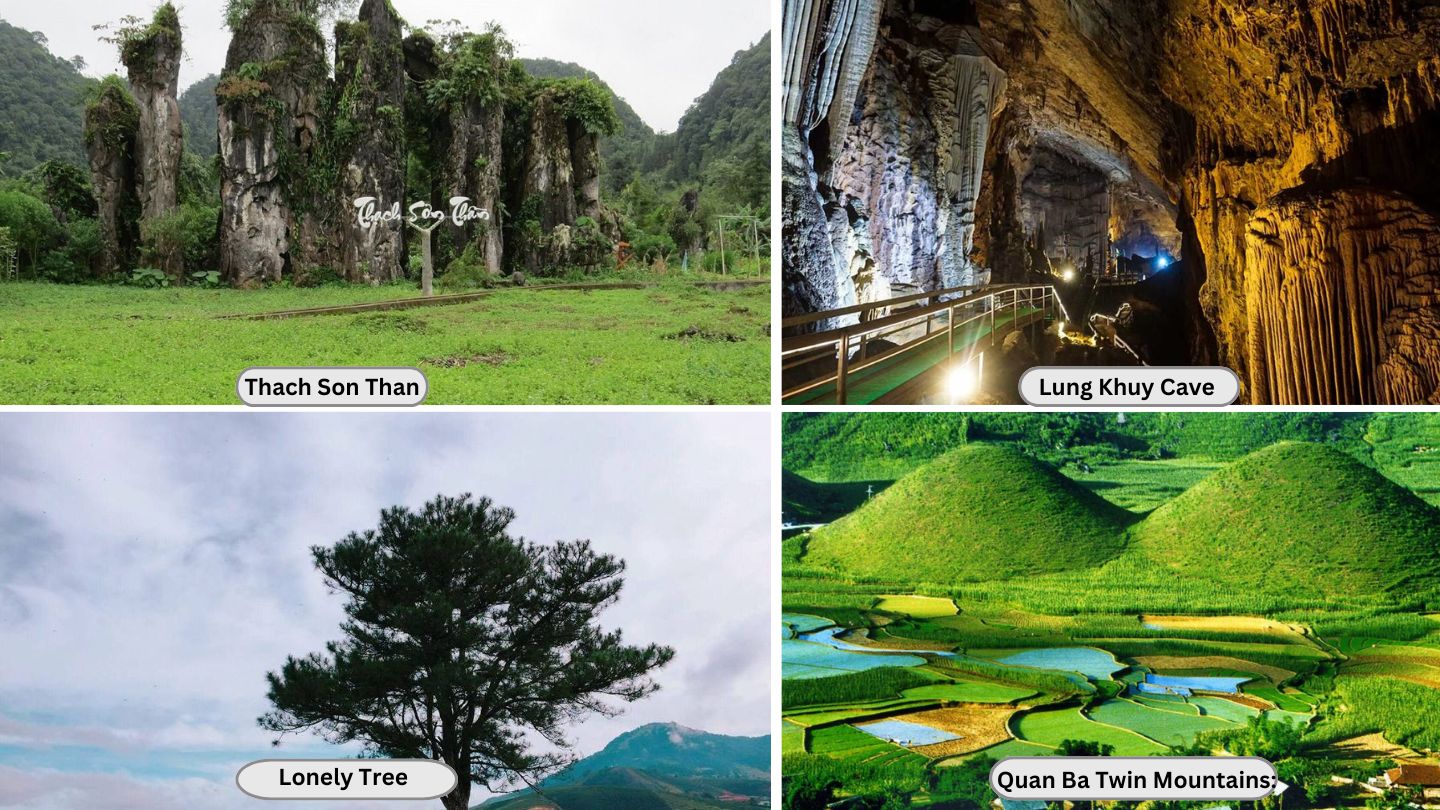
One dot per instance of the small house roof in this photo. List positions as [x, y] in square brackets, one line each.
[1414, 775]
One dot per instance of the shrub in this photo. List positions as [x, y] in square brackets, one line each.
[466, 272]
[185, 239]
[148, 277]
[32, 225]
[75, 262]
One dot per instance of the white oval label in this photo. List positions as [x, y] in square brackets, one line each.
[1130, 386]
[1135, 778]
[345, 386]
[346, 779]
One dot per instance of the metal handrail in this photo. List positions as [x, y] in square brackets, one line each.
[841, 340]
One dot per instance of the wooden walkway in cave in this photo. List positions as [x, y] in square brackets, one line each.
[897, 350]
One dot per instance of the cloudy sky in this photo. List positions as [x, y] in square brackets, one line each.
[659, 55]
[153, 568]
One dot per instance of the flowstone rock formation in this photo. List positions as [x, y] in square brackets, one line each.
[269, 130]
[1270, 161]
[152, 58]
[367, 141]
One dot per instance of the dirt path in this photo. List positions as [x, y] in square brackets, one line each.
[465, 298]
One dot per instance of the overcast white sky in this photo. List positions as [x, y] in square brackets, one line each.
[153, 568]
[659, 55]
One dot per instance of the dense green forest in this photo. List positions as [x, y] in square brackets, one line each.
[197, 112]
[864, 446]
[42, 97]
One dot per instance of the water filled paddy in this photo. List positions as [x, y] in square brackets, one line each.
[1181, 682]
[1087, 661]
[906, 733]
[821, 655]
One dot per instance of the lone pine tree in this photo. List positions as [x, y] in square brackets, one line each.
[464, 645]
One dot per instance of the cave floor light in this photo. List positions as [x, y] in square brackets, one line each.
[962, 381]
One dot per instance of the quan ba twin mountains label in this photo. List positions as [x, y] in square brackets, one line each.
[1135, 778]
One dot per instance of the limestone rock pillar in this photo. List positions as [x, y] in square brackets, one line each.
[152, 59]
[369, 147]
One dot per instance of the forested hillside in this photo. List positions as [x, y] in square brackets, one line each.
[724, 138]
[197, 112]
[721, 147]
[42, 99]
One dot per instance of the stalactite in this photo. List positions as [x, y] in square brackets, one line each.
[979, 89]
[828, 46]
[1344, 292]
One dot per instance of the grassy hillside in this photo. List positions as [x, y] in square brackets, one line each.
[806, 501]
[1297, 517]
[42, 103]
[978, 512]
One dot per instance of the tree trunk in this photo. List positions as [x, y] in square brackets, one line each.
[459, 798]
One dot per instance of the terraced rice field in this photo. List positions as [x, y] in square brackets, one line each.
[1161, 725]
[792, 738]
[805, 659]
[849, 743]
[972, 727]
[1186, 664]
[921, 607]
[970, 692]
[906, 733]
[1288, 701]
[1052, 726]
[803, 622]
[1223, 709]
[1087, 661]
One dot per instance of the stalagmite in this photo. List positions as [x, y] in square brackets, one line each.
[369, 141]
[152, 58]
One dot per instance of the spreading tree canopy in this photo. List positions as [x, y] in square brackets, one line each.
[463, 644]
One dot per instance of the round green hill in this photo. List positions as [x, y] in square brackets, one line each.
[1301, 519]
[978, 512]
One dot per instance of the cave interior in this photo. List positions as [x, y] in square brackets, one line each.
[1247, 183]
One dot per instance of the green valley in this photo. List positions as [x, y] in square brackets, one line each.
[975, 586]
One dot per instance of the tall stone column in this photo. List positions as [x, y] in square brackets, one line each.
[979, 94]
[370, 141]
[268, 99]
[111, 119]
[152, 59]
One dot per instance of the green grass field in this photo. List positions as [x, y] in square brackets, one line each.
[671, 344]
[1161, 725]
[1140, 485]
